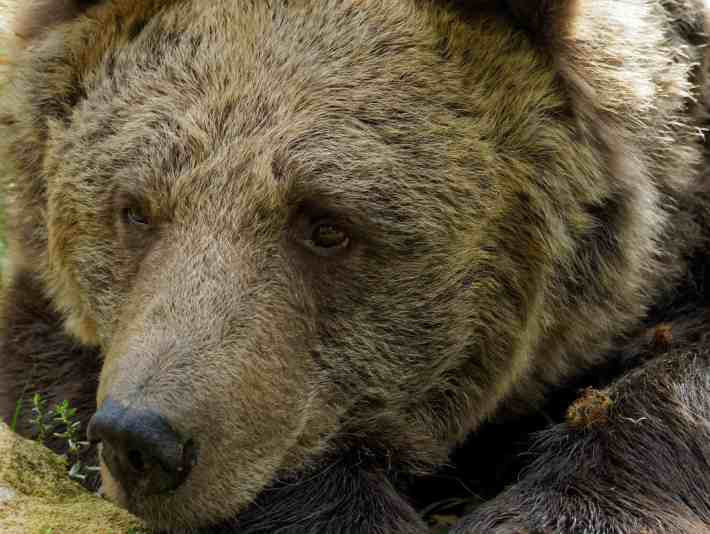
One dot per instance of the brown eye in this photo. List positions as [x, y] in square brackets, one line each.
[135, 216]
[328, 238]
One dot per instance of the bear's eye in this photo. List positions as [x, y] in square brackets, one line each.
[327, 238]
[135, 216]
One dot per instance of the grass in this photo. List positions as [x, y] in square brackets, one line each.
[16, 415]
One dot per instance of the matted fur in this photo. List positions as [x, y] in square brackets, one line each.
[521, 182]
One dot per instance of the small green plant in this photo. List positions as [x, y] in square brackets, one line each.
[16, 415]
[62, 417]
[40, 418]
[65, 416]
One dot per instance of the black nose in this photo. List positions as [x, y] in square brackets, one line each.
[140, 449]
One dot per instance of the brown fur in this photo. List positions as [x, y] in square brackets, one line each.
[519, 182]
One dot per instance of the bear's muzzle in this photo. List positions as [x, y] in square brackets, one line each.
[140, 448]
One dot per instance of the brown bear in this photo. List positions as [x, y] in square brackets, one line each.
[289, 255]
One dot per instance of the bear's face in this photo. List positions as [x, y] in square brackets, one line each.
[282, 226]
[293, 227]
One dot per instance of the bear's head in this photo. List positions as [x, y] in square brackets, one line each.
[296, 228]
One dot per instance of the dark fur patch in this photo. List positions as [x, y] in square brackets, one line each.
[38, 357]
[542, 17]
[136, 28]
[344, 497]
[645, 468]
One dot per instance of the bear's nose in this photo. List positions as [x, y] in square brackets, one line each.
[140, 448]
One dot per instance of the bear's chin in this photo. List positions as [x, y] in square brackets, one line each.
[160, 513]
[172, 512]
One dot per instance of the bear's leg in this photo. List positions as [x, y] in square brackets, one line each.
[634, 458]
[345, 497]
[38, 357]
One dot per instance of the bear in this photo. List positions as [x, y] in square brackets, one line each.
[289, 258]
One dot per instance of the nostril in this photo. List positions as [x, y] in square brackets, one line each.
[141, 449]
[189, 456]
[135, 460]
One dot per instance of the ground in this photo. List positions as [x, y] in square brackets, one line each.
[37, 497]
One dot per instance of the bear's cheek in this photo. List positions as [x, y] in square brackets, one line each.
[76, 282]
[89, 272]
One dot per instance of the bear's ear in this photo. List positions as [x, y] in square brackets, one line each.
[34, 17]
[546, 19]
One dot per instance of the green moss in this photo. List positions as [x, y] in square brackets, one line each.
[40, 498]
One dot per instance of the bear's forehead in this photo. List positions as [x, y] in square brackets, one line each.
[266, 91]
[240, 49]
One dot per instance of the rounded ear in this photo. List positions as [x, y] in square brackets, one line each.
[34, 17]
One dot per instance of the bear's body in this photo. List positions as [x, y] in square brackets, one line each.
[297, 252]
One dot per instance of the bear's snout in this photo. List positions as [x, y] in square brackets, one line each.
[140, 448]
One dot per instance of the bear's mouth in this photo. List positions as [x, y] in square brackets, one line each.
[146, 475]
[140, 449]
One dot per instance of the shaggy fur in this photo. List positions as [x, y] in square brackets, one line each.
[523, 189]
